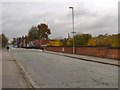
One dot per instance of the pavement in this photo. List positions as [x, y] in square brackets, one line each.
[11, 75]
[89, 58]
[86, 58]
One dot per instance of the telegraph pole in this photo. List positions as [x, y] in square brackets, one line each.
[73, 29]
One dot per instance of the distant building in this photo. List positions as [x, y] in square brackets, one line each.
[24, 41]
[39, 43]
[21, 41]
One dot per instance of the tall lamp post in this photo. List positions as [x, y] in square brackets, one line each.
[73, 28]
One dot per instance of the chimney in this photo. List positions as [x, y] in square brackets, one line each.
[68, 35]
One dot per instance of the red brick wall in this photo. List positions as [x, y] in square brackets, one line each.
[68, 50]
[56, 49]
[113, 53]
[101, 51]
[92, 51]
[86, 50]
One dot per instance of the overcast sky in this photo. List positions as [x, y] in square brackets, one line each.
[91, 16]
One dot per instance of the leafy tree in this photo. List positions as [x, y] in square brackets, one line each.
[70, 42]
[92, 42]
[43, 31]
[115, 41]
[4, 40]
[119, 40]
[82, 39]
[108, 40]
[40, 32]
[33, 34]
[0, 40]
[13, 41]
[64, 42]
[99, 41]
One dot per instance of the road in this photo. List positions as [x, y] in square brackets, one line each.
[54, 71]
[0, 68]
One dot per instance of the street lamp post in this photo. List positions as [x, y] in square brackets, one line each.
[73, 28]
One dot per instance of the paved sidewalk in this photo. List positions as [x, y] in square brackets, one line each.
[89, 58]
[11, 75]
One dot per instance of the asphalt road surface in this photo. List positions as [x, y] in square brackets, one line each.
[0, 68]
[54, 71]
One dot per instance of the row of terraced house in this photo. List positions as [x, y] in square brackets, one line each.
[22, 42]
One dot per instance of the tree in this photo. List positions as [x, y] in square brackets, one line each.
[70, 42]
[64, 42]
[82, 39]
[92, 42]
[115, 40]
[99, 41]
[43, 31]
[4, 40]
[0, 40]
[118, 40]
[40, 32]
[33, 34]
[13, 41]
[108, 40]
[79, 40]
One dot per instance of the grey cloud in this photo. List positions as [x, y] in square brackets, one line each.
[19, 18]
[96, 22]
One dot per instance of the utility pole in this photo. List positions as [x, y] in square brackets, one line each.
[73, 28]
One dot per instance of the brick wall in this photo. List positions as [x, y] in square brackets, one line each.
[113, 53]
[68, 50]
[92, 51]
[87, 50]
